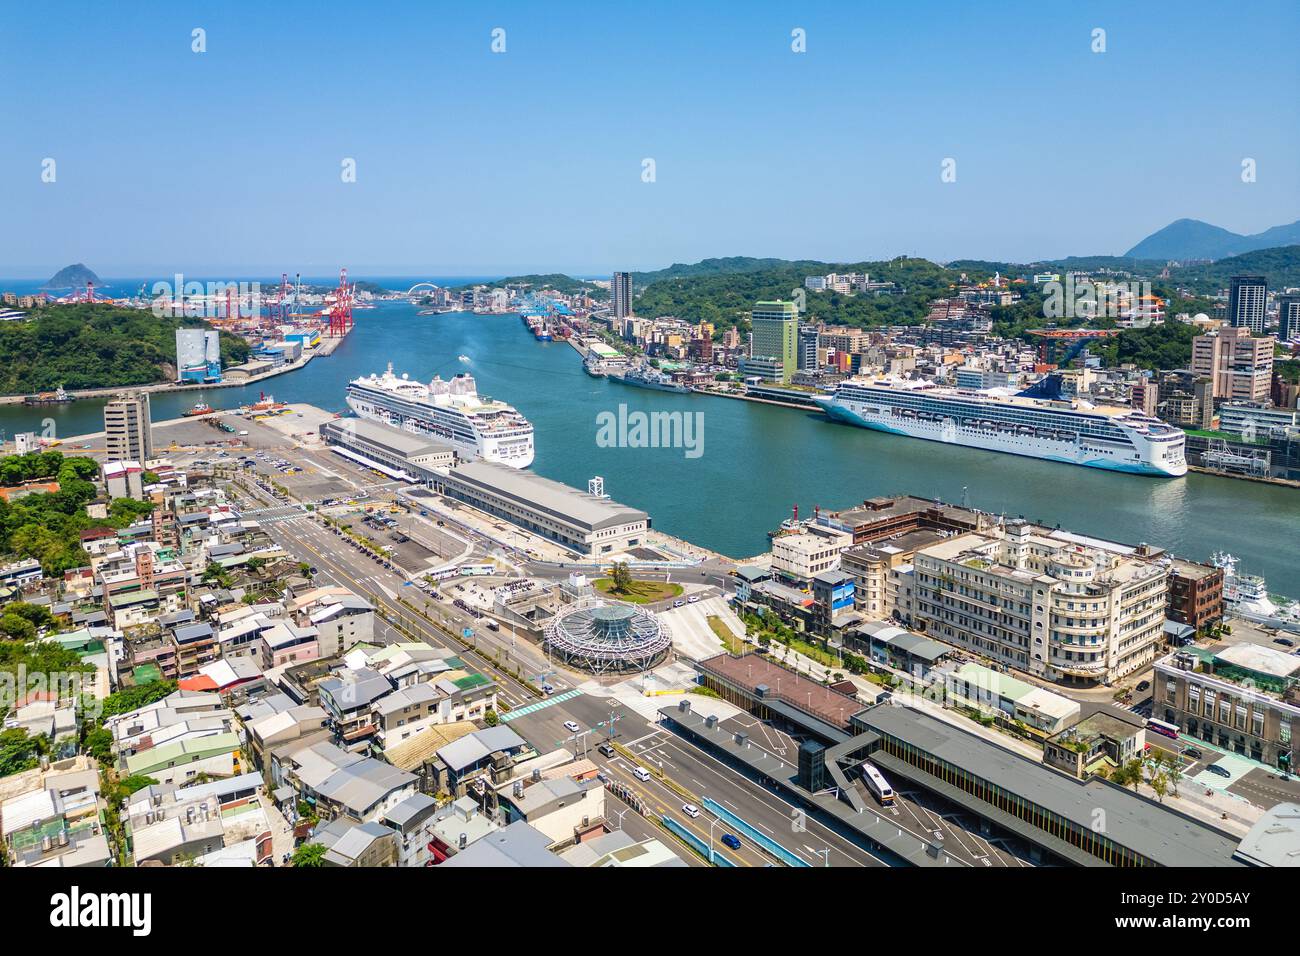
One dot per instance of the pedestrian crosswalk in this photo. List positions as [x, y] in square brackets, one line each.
[276, 513]
[540, 705]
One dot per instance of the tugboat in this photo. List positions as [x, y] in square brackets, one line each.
[202, 408]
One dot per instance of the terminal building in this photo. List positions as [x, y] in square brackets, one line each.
[583, 522]
[1053, 813]
[396, 453]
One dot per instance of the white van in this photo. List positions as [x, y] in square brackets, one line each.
[641, 773]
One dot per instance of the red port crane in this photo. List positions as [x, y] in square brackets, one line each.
[340, 310]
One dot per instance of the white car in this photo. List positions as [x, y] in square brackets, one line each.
[692, 599]
[691, 810]
[571, 726]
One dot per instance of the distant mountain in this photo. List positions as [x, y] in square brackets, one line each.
[70, 277]
[1193, 239]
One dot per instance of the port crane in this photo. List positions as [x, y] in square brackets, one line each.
[338, 307]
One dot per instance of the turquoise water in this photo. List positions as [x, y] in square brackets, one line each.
[757, 460]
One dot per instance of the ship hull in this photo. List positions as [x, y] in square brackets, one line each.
[1027, 446]
[517, 452]
[635, 383]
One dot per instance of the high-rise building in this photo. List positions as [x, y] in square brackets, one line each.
[1144, 395]
[1240, 368]
[127, 428]
[198, 355]
[1288, 316]
[773, 349]
[620, 294]
[809, 340]
[1060, 610]
[1247, 296]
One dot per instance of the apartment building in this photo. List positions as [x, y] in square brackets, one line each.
[800, 556]
[1239, 367]
[872, 568]
[128, 429]
[1064, 608]
[1247, 301]
[1195, 594]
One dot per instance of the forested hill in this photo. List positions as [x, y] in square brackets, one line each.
[726, 298]
[95, 346]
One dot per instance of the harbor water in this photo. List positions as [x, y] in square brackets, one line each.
[753, 462]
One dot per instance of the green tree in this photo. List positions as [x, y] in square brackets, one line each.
[621, 577]
[99, 744]
[309, 854]
[490, 717]
[16, 628]
[18, 751]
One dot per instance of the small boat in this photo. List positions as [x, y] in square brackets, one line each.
[463, 358]
[202, 408]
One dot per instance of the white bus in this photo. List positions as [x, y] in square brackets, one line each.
[878, 785]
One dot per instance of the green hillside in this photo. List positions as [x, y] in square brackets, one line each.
[95, 346]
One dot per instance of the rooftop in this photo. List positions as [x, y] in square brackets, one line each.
[753, 671]
[1156, 832]
[543, 494]
[516, 845]
[1260, 659]
[1274, 840]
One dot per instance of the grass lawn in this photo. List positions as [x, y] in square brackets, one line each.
[733, 644]
[642, 592]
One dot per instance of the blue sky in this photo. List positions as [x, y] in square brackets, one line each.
[470, 162]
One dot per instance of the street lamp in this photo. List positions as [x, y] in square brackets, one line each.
[712, 823]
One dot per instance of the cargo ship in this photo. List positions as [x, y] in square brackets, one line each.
[56, 397]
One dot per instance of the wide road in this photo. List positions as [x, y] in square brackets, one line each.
[699, 774]
[336, 557]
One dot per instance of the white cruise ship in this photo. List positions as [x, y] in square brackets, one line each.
[449, 411]
[1075, 432]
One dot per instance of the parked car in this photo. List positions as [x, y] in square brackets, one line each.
[1284, 641]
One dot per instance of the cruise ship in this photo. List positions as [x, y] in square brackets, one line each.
[1036, 423]
[450, 411]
